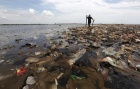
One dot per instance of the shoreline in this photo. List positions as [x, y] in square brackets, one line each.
[84, 47]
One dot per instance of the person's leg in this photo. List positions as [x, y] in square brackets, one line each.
[88, 24]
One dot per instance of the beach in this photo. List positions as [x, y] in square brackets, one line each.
[70, 56]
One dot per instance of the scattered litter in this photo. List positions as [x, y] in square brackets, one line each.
[30, 45]
[1, 61]
[32, 59]
[17, 40]
[30, 80]
[37, 53]
[26, 87]
[78, 55]
[53, 86]
[40, 69]
[21, 70]
[59, 75]
[74, 77]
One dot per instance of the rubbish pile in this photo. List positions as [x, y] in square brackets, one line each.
[99, 57]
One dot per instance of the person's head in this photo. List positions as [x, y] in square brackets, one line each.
[89, 15]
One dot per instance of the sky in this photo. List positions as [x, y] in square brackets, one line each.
[69, 11]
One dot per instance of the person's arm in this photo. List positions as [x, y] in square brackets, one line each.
[92, 18]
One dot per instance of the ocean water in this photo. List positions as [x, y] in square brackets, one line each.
[9, 33]
[36, 34]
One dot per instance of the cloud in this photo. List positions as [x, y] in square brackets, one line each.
[4, 17]
[73, 11]
[104, 12]
[31, 11]
[47, 13]
[121, 3]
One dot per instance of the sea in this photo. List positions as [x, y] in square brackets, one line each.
[13, 37]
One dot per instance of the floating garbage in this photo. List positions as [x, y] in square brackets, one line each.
[53, 86]
[138, 67]
[37, 53]
[32, 59]
[21, 70]
[26, 87]
[17, 40]
[1, 61]
[74, 77]
[59, 75]
[30, 80]
[53, 47]
[99, 57]
[40, 69]
[30, 45]
[110, 52]
[116, 63]
[76, 56]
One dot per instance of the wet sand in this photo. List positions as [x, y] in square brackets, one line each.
[77, 55]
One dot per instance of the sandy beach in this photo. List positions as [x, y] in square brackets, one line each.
[104, 56]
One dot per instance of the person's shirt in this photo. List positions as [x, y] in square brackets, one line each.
[89, 18]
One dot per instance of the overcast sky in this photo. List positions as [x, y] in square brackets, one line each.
[69, 11]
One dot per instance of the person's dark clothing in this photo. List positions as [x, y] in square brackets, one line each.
[89, 20]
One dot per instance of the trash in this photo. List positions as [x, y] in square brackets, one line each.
[110, 52]
[30, 45]
[59, 75]
[138, 67]
[37, 53]
[32, 59]
[116, 63]
[76, 56]
[74, 77]
[95, 45]
[137, 40]
[21, 70]
[40, 69]
[26, 65]
[30, 80]
[1, 61]
[99, 57]
[26, 87]
[56, 83]
[53, 86]
[78, 73]
[132, 65]
[17, 40]
[53, 47]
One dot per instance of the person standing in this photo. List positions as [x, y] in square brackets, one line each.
[89, 18]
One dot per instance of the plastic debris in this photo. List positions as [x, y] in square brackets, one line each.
[40, 69]
[26, 87]
[21, 71]
[1, 61]
[78, 55]
[32, 59]
[30, 45]
[37, 53]
[59, 75]
[137, 40]
[74, 77]
[53, 86]
[110, 52]
[138, 67]
[116, 63]
[17, 40]
[30, 80]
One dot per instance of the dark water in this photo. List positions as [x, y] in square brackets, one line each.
[12, 53]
